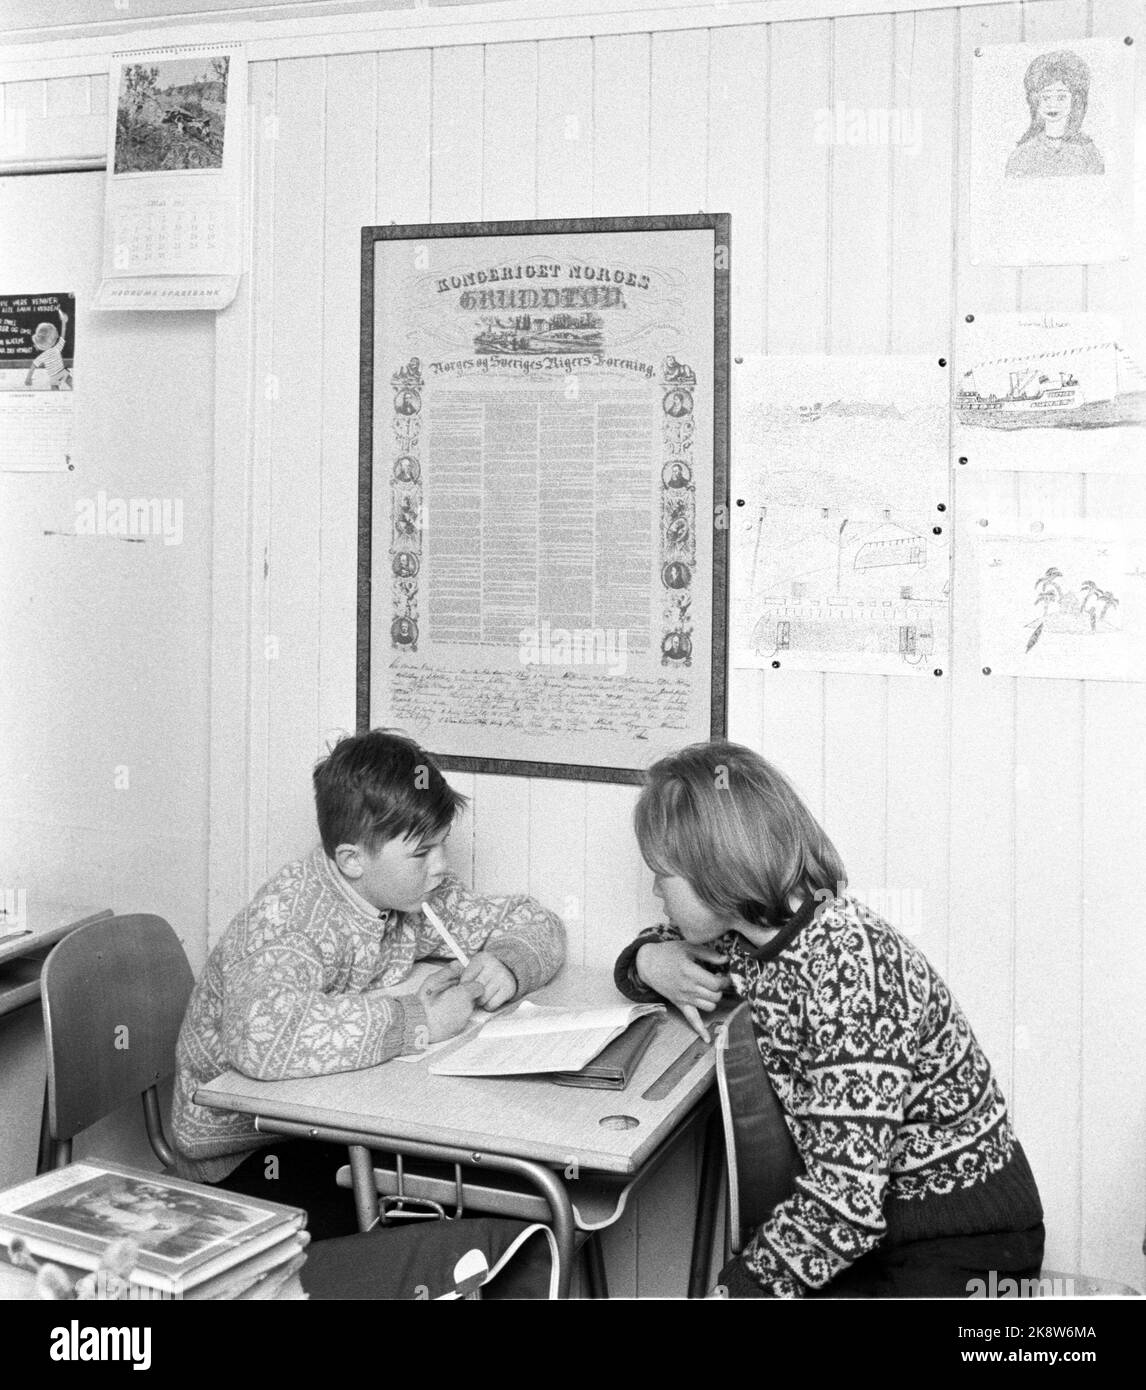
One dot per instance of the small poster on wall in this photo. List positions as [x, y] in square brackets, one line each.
[1062, 598]
[173, 211]
[1051, 392]
[1051, 159]
[37, 379]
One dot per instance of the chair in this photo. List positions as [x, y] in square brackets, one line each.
[114, 993]
[763, 1162]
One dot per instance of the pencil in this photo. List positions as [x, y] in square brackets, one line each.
[440, 927]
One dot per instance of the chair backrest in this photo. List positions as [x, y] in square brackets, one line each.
[763, 1162]
[114, 994]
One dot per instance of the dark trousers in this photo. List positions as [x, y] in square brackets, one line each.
[300, 1175]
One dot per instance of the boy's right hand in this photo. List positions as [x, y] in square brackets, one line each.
[675, 971]
[448, 1004]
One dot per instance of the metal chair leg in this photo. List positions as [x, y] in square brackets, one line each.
[711, 1168]
[593, 1267]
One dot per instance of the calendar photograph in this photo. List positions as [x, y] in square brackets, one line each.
[171, 115]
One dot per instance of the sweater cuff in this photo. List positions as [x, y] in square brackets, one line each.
[625, 975]
[414, 1025]
[734, 1281]
[519, 960]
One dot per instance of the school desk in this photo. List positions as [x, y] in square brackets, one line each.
[549, 1135]
[40, 924]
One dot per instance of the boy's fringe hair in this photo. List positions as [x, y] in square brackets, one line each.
[719, 816]
[380, 786]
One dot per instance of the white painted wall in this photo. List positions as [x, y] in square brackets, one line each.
[1013, 808]
[104, 694]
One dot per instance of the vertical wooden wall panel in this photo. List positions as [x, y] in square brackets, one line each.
[296, 479]
[458, 121]
[509, 180]
[405, 122]
[1113, 983]
[678, 122]
[1113, 965]
[349, 184]
[922, 131]
[799, 94]
[262, 88]
[621, 126]
[737, 161]
[981, 776]
[564, 126]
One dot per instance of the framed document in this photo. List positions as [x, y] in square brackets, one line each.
[543, 521]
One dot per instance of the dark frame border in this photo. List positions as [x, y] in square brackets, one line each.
[720, 225]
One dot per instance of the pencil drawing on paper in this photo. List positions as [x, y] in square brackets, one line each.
[1064, 610]
[1057, 86]
[1062, 599]
[840, 560]
[1061, 392]
[1091, 386]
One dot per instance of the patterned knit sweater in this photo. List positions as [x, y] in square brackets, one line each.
[296, 987]
[892, 1105]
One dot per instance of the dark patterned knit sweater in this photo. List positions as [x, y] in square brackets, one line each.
[889, 1099]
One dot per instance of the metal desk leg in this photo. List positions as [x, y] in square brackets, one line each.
[711, 1171]
[362, 1177]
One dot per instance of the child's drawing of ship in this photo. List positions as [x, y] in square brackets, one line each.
[1101, 386]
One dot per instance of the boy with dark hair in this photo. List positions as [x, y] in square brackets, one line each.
[298, 984]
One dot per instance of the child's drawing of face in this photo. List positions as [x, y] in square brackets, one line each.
[1054, 103]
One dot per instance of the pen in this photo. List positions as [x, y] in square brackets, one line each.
[440, 927]
[12, 935]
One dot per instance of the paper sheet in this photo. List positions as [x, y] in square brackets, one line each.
[1051, 392]
[1063, 599]
[1051, 177]
[840, 551]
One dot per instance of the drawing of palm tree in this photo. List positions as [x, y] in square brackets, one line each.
[1048, 585]
[1108, 601]
[1049, 591]
[1090, 590]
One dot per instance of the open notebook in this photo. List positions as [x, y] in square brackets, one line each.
[538, 1038]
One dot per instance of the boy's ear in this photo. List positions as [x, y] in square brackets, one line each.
[349, 860]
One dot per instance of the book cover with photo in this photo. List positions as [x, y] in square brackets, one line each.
[185, 1233]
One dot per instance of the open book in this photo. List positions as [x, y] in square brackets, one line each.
[538, 1038]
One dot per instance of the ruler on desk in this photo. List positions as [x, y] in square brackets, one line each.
[676, 1071]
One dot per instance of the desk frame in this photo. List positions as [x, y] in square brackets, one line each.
[536, 1174]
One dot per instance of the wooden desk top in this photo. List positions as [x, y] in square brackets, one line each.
[523, 1117]
[22, 957]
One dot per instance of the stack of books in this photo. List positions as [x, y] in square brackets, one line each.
[191, 1241]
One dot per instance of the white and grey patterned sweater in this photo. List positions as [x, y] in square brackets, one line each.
[296, 988]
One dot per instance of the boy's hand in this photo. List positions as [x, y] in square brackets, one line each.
[674, 970]
[449, 1007]
[496, 980]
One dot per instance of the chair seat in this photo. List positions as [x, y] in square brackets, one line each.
[597, 1201]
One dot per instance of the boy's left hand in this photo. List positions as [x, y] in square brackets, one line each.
[498, 983]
